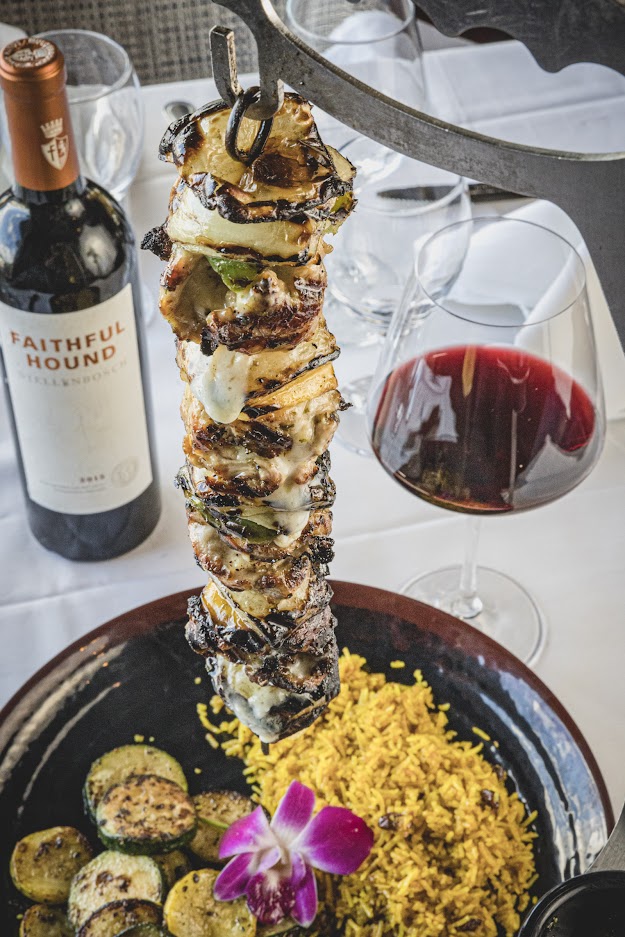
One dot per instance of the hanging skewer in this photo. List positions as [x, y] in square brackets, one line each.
[223, 53]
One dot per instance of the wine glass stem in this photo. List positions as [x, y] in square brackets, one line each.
[467, 603]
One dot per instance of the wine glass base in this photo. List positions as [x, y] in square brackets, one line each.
[509, 615]
[353, 431]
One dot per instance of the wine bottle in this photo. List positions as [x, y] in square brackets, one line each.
[71, 331]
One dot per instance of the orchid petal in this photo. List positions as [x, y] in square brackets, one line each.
[232, 881]
[336, 841]
[270, 897]
[298, 869]
[267, 858]
[305, 908]
[294, 812]
[249, 834]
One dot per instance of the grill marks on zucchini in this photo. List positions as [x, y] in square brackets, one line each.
[44, 863]
[192, 911]
[216, 811]
[113, 876]
[145, 814]
[145, 930]
[123, 762]
[173, 865]
[116, 917]
[143, 818]
[41, 921]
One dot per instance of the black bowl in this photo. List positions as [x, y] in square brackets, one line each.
[592, 905]
[136, 676]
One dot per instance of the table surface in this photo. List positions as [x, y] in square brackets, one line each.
[570, 555]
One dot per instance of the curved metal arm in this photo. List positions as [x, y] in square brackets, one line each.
[557, 32]
[589, 187]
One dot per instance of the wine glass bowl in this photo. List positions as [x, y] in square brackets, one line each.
[106, 106]
[375, 41]
[487, 398]
[369, 267]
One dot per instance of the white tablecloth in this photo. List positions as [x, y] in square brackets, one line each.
[570, 555]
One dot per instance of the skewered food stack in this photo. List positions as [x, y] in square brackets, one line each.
[243, 291]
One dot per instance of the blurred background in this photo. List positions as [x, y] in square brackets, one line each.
[167, 40]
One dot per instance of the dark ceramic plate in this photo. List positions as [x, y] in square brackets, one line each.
[136, 676]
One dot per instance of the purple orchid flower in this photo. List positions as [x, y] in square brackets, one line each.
[273, 862]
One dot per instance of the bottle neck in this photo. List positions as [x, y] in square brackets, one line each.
[45, 158]
[51, 196]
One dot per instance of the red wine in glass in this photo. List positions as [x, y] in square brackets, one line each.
[485, 429]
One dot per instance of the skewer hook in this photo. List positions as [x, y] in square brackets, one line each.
[224, 57]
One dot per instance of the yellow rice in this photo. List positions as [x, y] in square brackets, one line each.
[453, 860]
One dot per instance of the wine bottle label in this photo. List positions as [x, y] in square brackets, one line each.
[77, 396]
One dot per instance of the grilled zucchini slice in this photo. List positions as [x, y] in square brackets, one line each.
[286, 928]
[173, 865]
[109, 877]
[121, 763]
[144, 815]
[118, 916]
[216, 811]
[191, 910]
[145, 930]
[41, 921]
[43, 864]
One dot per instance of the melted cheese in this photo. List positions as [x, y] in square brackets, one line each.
[219, 381]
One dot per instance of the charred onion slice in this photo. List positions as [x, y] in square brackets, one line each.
[189, 222]
[256, 375]
[296, 174]
[217, 625]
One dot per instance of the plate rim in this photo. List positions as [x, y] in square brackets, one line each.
[141, 619]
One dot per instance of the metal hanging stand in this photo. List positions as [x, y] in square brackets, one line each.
[589, 187]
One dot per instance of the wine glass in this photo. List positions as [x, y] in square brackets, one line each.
[376, 41]
[106, 107]
[371, 261]
[488, 398]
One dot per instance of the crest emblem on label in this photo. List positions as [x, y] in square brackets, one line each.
[56, 149]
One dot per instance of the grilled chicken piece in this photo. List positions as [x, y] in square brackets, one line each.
[238, 570]
[271, 312]
[190, 289]
[267, 537]
[318, 491]
[277, 695]
[250, 310]
[267, 451]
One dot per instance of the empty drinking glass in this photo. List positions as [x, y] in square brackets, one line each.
[376, 41]
[105, 104]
